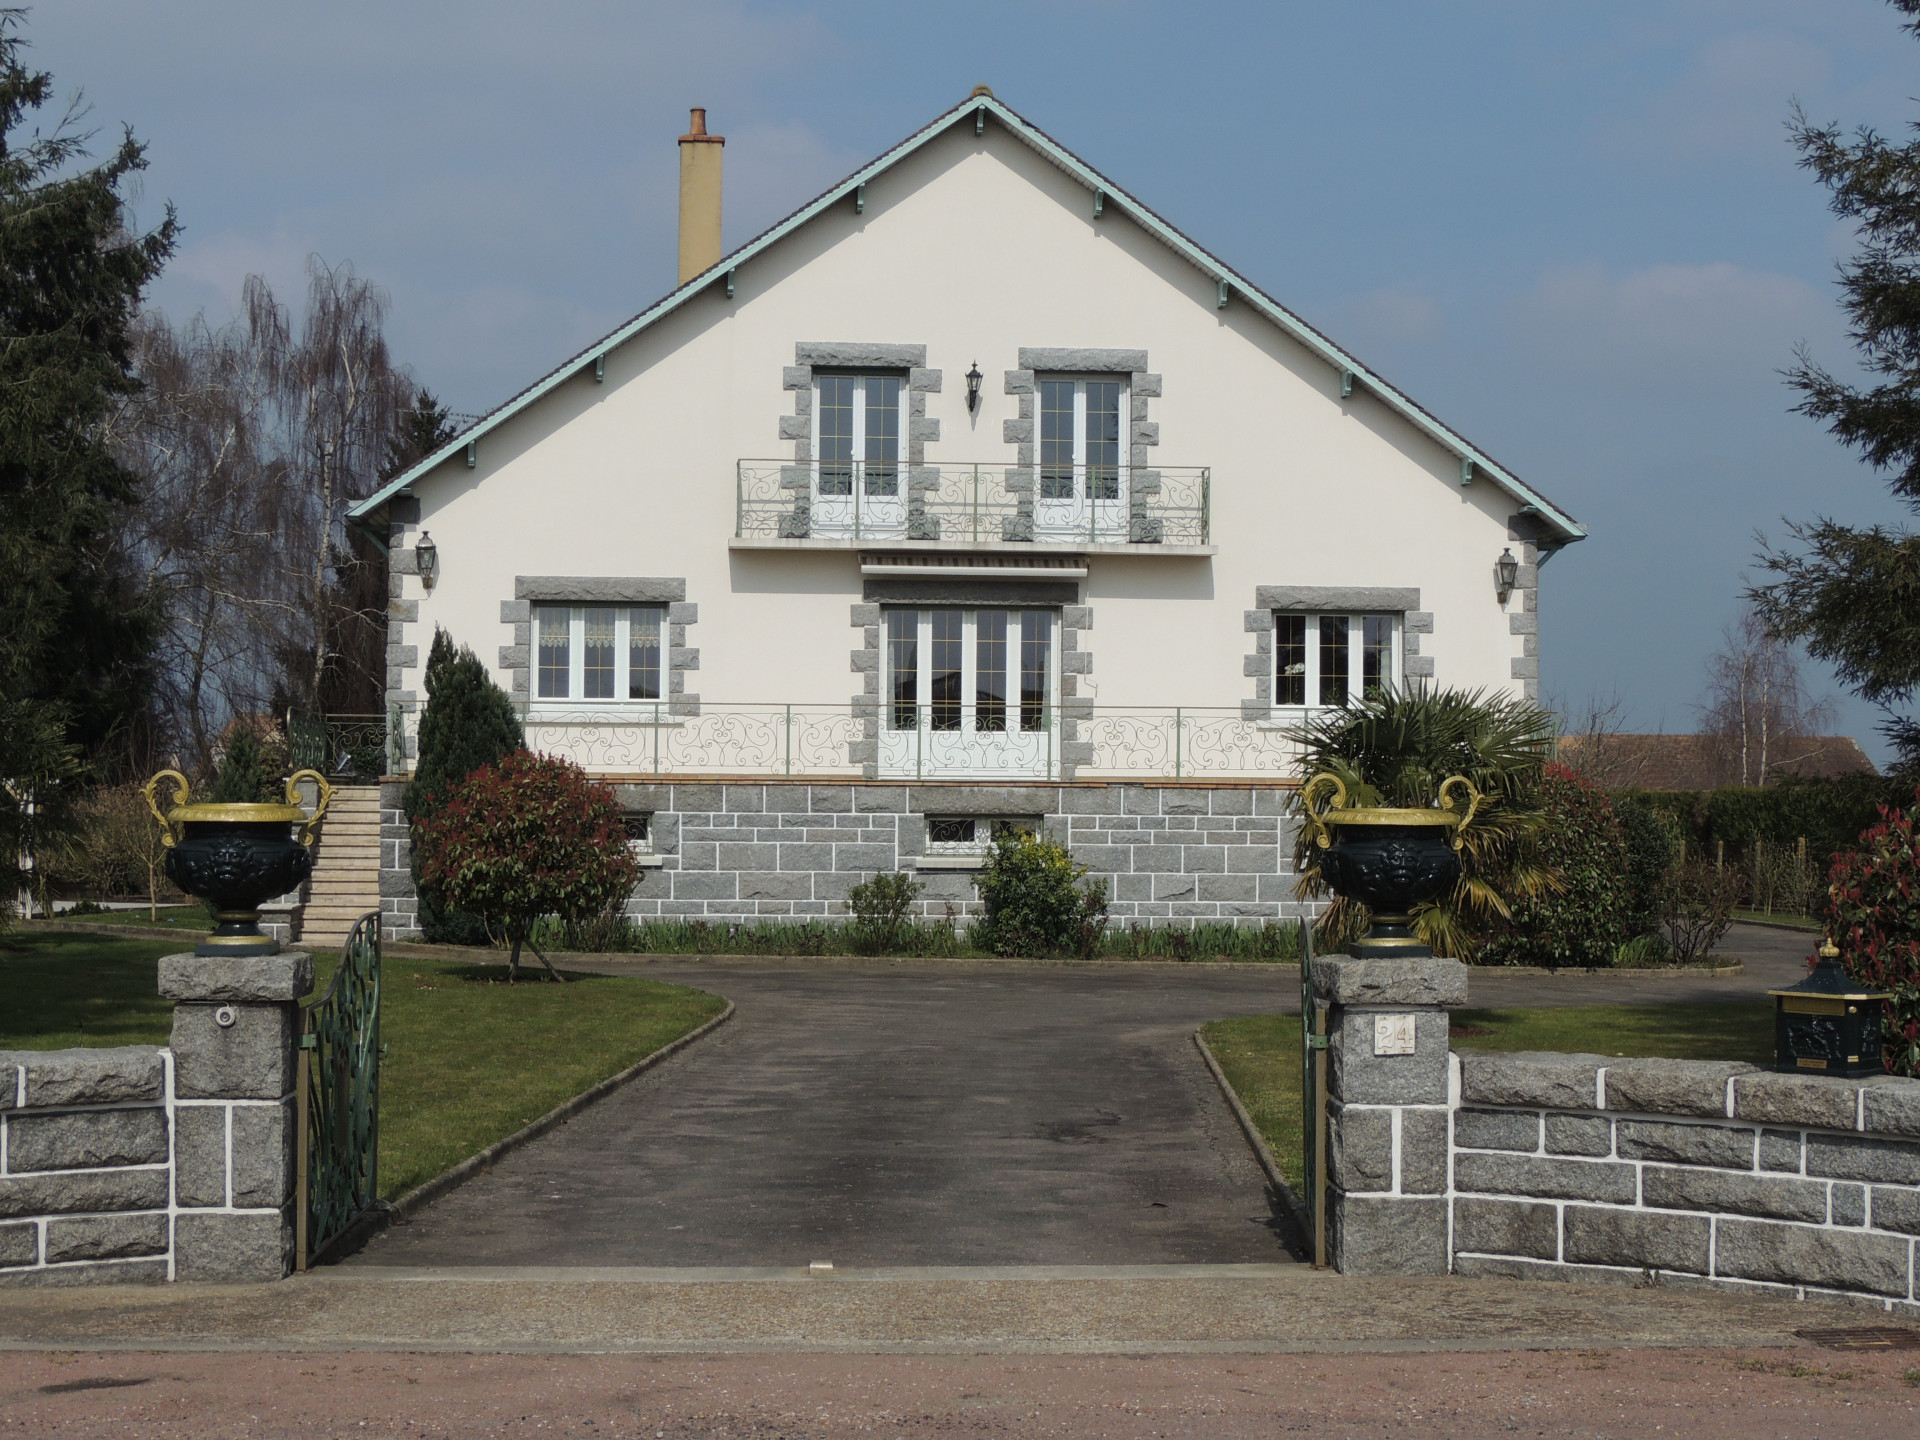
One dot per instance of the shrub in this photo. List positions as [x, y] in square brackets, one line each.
[882, 910]
[247, 775]
[1873, 915]
[529, 837]
[117, 849]
[1034, 904]
[1582, 844]
[1653, 843]
[1696, 907]
[468, 723]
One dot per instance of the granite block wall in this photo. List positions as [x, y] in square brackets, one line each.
[1687, 1172]
[1170, 854]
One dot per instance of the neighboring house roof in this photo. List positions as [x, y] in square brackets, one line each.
[1705, 762]
[1554, 527]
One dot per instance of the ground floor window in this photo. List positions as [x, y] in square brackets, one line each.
[973, 835]
[969, 692]
[1331, 660]
[598, 652]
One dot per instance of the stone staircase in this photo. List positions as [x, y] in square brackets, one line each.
[346, 868]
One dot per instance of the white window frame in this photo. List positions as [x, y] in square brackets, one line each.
[1356, 630]
[969, 671]
[1081, 481]
[577, 657]
[858, 460]
[971, 854]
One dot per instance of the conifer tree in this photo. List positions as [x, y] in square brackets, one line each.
[1852, 595]
[468, 722]
[245, 777]
[75, 629]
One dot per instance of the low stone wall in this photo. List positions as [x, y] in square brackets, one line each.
[1553, 1166]
[149, 1164]
[1579, 1166]
[1170, 854]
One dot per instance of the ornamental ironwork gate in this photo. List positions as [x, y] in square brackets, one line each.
[338, 1089]
[1313, 1101]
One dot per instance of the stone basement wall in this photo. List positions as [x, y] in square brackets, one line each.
[1171, 855]
[1577, 1167]
[142, 1164]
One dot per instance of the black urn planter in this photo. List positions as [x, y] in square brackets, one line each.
[237, 857]
[1388, 859]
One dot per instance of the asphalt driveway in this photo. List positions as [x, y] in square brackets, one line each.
[871, 1114]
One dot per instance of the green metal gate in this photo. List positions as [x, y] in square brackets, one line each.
[1313, 1100]
[338, 1090]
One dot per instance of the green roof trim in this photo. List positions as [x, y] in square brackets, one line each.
[1229, 281]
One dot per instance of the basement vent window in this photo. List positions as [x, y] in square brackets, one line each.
[639, 828]
[972, 836]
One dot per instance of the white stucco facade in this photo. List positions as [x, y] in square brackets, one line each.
[969, 248]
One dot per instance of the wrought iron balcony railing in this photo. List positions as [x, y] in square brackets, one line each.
[878, 739]
[973, 504]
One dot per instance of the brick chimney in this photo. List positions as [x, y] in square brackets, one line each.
[699, 197]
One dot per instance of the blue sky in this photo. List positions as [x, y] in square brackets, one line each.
[1574, 231]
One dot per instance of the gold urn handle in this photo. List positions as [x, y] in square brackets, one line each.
[1326, 781]
[180, 792]
[1474, 801]
[310, 827]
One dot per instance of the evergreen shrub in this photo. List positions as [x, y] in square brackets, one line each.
[1873, 915]
[1034, 903]
[247, 774]
[882, 911]
[1582, 843]
[1653, 844]
[468, 723]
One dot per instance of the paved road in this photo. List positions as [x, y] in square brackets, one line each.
[875, 1114]
[935, 1114]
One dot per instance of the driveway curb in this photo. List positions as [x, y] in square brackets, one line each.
[1296, 1209]
[425, 1194]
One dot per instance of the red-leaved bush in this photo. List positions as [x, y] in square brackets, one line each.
[1873, 914]
[527, 837]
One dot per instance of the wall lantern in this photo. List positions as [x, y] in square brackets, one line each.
[973, 388]
[426, 559]
[1827, 1024]
[1506, 572]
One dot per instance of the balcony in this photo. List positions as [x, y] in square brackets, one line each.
[1144, 510]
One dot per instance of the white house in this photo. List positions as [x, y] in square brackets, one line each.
[972, 492]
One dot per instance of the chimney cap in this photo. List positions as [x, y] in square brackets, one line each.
[979, 90]
[697, 129]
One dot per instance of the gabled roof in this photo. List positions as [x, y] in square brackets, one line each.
[1556, 527]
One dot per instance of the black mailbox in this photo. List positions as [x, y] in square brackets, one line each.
[1827, 1024]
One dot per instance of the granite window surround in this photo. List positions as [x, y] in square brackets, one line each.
[1403, 601]
[403, 518]
[812, 355]
[516, 658]
[1074, 661]
[1142, 433]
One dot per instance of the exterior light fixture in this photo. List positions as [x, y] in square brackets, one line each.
[973, 388]
[1506, 572]
[426, 559]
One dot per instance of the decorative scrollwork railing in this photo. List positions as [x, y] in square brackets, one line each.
[354, 745]
[337, 1088]
[1062, 505]
[839, 742]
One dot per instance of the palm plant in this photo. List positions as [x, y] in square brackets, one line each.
[1396, 748]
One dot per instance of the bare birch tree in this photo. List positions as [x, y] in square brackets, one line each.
[1757, 702]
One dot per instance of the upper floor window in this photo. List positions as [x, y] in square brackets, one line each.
[1082, 455]
[598, 652]
[1333, 659]
[859, 420]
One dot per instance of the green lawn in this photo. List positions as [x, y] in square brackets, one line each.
[174, 917]
[1779, 917]
[1261, 1053]
[468, 1059]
